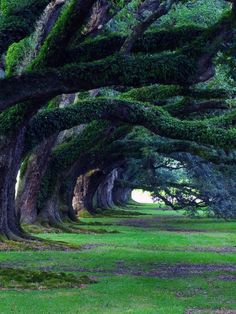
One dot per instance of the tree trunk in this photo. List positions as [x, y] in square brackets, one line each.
[126, 196]
[29, 184]
[50, 213]
[80, 191]
[121, 195]
[66, 198]
[93, 184]
[104, 192]
[11, 151]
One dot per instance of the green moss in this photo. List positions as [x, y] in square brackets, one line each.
[11, 118]
[85, 214]
[157, 120]
[15, 55]
[156, 92]
[202, 44]
[151, 42]
[51, 52]
[152, 93]
[18, 20]
[26, 279]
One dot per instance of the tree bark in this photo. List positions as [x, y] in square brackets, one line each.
[50, 213]
[30, 182]
[104, 192]
[66, 198]
[93, 184]
[80, 191]
[158, 11]
[11, 151]
[29, 185]
[121, 195]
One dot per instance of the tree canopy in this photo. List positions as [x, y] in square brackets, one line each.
[101, 97]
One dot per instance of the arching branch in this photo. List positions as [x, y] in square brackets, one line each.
[154, 119]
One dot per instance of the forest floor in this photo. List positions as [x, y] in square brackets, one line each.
[158, 263]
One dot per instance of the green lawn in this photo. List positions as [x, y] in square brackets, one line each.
[158, 263]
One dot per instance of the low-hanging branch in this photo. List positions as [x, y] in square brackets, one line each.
[116, 70]
[113, 71]
[157, 120]
[168, 147]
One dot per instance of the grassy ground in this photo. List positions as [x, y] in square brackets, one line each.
[157, 263]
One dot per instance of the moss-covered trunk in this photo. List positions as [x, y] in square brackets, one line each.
[29, 184]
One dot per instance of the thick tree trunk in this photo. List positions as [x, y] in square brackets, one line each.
[94, 181]
[29, 184]
[126, 197]
[104, 192]
[58, 205]
[66, 199]
[11, 151]
[121, 195]
[80, 192]
[50, 213]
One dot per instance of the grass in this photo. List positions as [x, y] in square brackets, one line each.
[158, 263]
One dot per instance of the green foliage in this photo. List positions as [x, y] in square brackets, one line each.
[12, 30]
[65, 154]
[185, 13]
[194, 13]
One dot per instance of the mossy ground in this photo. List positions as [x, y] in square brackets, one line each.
[11, 278]
[158, 263]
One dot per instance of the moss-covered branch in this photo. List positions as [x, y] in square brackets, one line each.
[151, 42]
[116, 70]
[207, 131]
[16, 24]
[72, 19]
[153, 93]
[167, 147]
